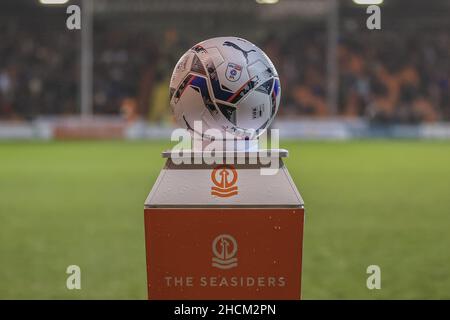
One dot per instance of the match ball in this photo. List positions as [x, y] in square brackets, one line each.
[228, 84]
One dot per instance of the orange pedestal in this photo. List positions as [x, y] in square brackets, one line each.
[224, 253]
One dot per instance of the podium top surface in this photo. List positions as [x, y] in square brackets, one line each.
[262, 153]
[204, 185]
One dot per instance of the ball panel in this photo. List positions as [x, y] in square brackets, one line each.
[254, 110]
[190, 108]
[269, 63]
[211, 57]
[181, 69]
[197, 66]
[256, 68]
[277, 93]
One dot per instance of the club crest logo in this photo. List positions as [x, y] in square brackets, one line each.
[224, 178]
[224, 248]
[233, 72]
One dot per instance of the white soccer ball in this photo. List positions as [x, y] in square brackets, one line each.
[227, 83]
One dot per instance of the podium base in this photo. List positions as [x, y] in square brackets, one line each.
[184, 264]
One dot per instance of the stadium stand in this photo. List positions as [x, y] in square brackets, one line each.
[397, 76]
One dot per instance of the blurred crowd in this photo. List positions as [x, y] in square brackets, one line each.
[400, 77]
[384, 76]
[39, 72]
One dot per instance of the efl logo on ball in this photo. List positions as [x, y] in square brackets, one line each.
[233, 72]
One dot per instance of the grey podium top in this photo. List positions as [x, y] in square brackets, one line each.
[203, 185]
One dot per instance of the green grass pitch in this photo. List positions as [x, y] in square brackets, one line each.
[367, 202]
